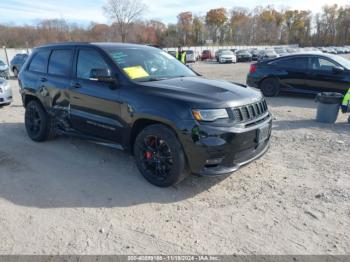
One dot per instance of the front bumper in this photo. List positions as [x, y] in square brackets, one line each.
[233, 147]
[227, 60]
[6, 97]
[5, 74]
[244, 58]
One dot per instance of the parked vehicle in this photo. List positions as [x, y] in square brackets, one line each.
[281, 51]
[291, 50]
[190, 56]
[5, 92]
[17, 62]
[254, 53]
[206, 54]
[243, 56]
[266, 55]
[309, 73]
[172, 53]
[227, 57]
[4, 70]
[141, 99]
[218, 53]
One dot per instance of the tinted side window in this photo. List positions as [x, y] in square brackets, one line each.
[325, 65]
[60, 62]
[39, 62]
[87, 60]
[293, 63]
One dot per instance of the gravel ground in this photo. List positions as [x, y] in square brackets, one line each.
[69, 196]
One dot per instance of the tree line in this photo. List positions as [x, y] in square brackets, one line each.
[237, 26]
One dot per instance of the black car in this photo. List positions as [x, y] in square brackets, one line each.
[17, 62]
[243, 56]
[143, 100]
[254, 53]
[301, 73]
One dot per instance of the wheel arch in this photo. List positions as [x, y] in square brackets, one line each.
[141, 124]
[28, 97]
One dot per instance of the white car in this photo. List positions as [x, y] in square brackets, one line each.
[5, 93]
[227, 57]
[190, 56]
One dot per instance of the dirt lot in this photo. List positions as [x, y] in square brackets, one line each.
[69, 196]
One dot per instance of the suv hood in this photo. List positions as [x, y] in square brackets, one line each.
[204, 93]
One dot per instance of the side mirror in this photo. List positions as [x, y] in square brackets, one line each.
[102, 75]
[338, 70]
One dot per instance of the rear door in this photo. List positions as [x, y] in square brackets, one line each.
[35, 74]
[59, 76]
[94, 105]
[324, 76]
[292, 73]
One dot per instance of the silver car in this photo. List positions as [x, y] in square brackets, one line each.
[5, 93]
[4, 70]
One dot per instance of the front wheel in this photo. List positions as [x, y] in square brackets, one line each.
[159, 156]
[270, 87]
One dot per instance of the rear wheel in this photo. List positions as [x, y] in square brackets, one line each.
[270, 87]
[38, 122]
[15, 72]
[159, 156]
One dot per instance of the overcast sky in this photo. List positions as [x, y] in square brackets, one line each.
[84, 11]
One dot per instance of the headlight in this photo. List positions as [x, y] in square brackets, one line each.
[4, 87]
[209, 114]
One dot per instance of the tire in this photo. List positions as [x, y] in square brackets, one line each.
[38, 123]
[270, 87]
[159, 156]
[15, 72]
[349, 119]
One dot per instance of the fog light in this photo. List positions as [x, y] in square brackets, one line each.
[214, 161]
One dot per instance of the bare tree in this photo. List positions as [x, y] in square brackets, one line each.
[124, 13]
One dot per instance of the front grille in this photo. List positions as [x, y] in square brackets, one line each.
[250, 112]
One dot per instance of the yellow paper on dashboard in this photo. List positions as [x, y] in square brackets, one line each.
[135, 72]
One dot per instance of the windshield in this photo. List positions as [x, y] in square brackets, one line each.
[342, 61]
[280, 51]
[226, 53]
[148, 64]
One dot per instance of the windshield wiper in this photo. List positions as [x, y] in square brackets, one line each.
[151, 79]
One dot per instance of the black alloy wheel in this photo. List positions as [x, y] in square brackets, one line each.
[159, 156]
[156, 157]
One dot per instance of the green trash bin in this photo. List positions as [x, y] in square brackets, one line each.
[328, 104]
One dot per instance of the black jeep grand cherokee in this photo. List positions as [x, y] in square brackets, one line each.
[141, 99]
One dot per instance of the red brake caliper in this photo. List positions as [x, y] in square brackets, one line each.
[149, 154]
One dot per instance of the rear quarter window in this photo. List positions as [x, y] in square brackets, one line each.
[39, 62]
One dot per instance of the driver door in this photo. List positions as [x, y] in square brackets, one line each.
[324, 76]
[94, 105]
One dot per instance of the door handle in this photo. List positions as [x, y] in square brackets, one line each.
[76, 85]
[43, 79]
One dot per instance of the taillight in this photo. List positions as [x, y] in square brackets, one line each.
[252, 69]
